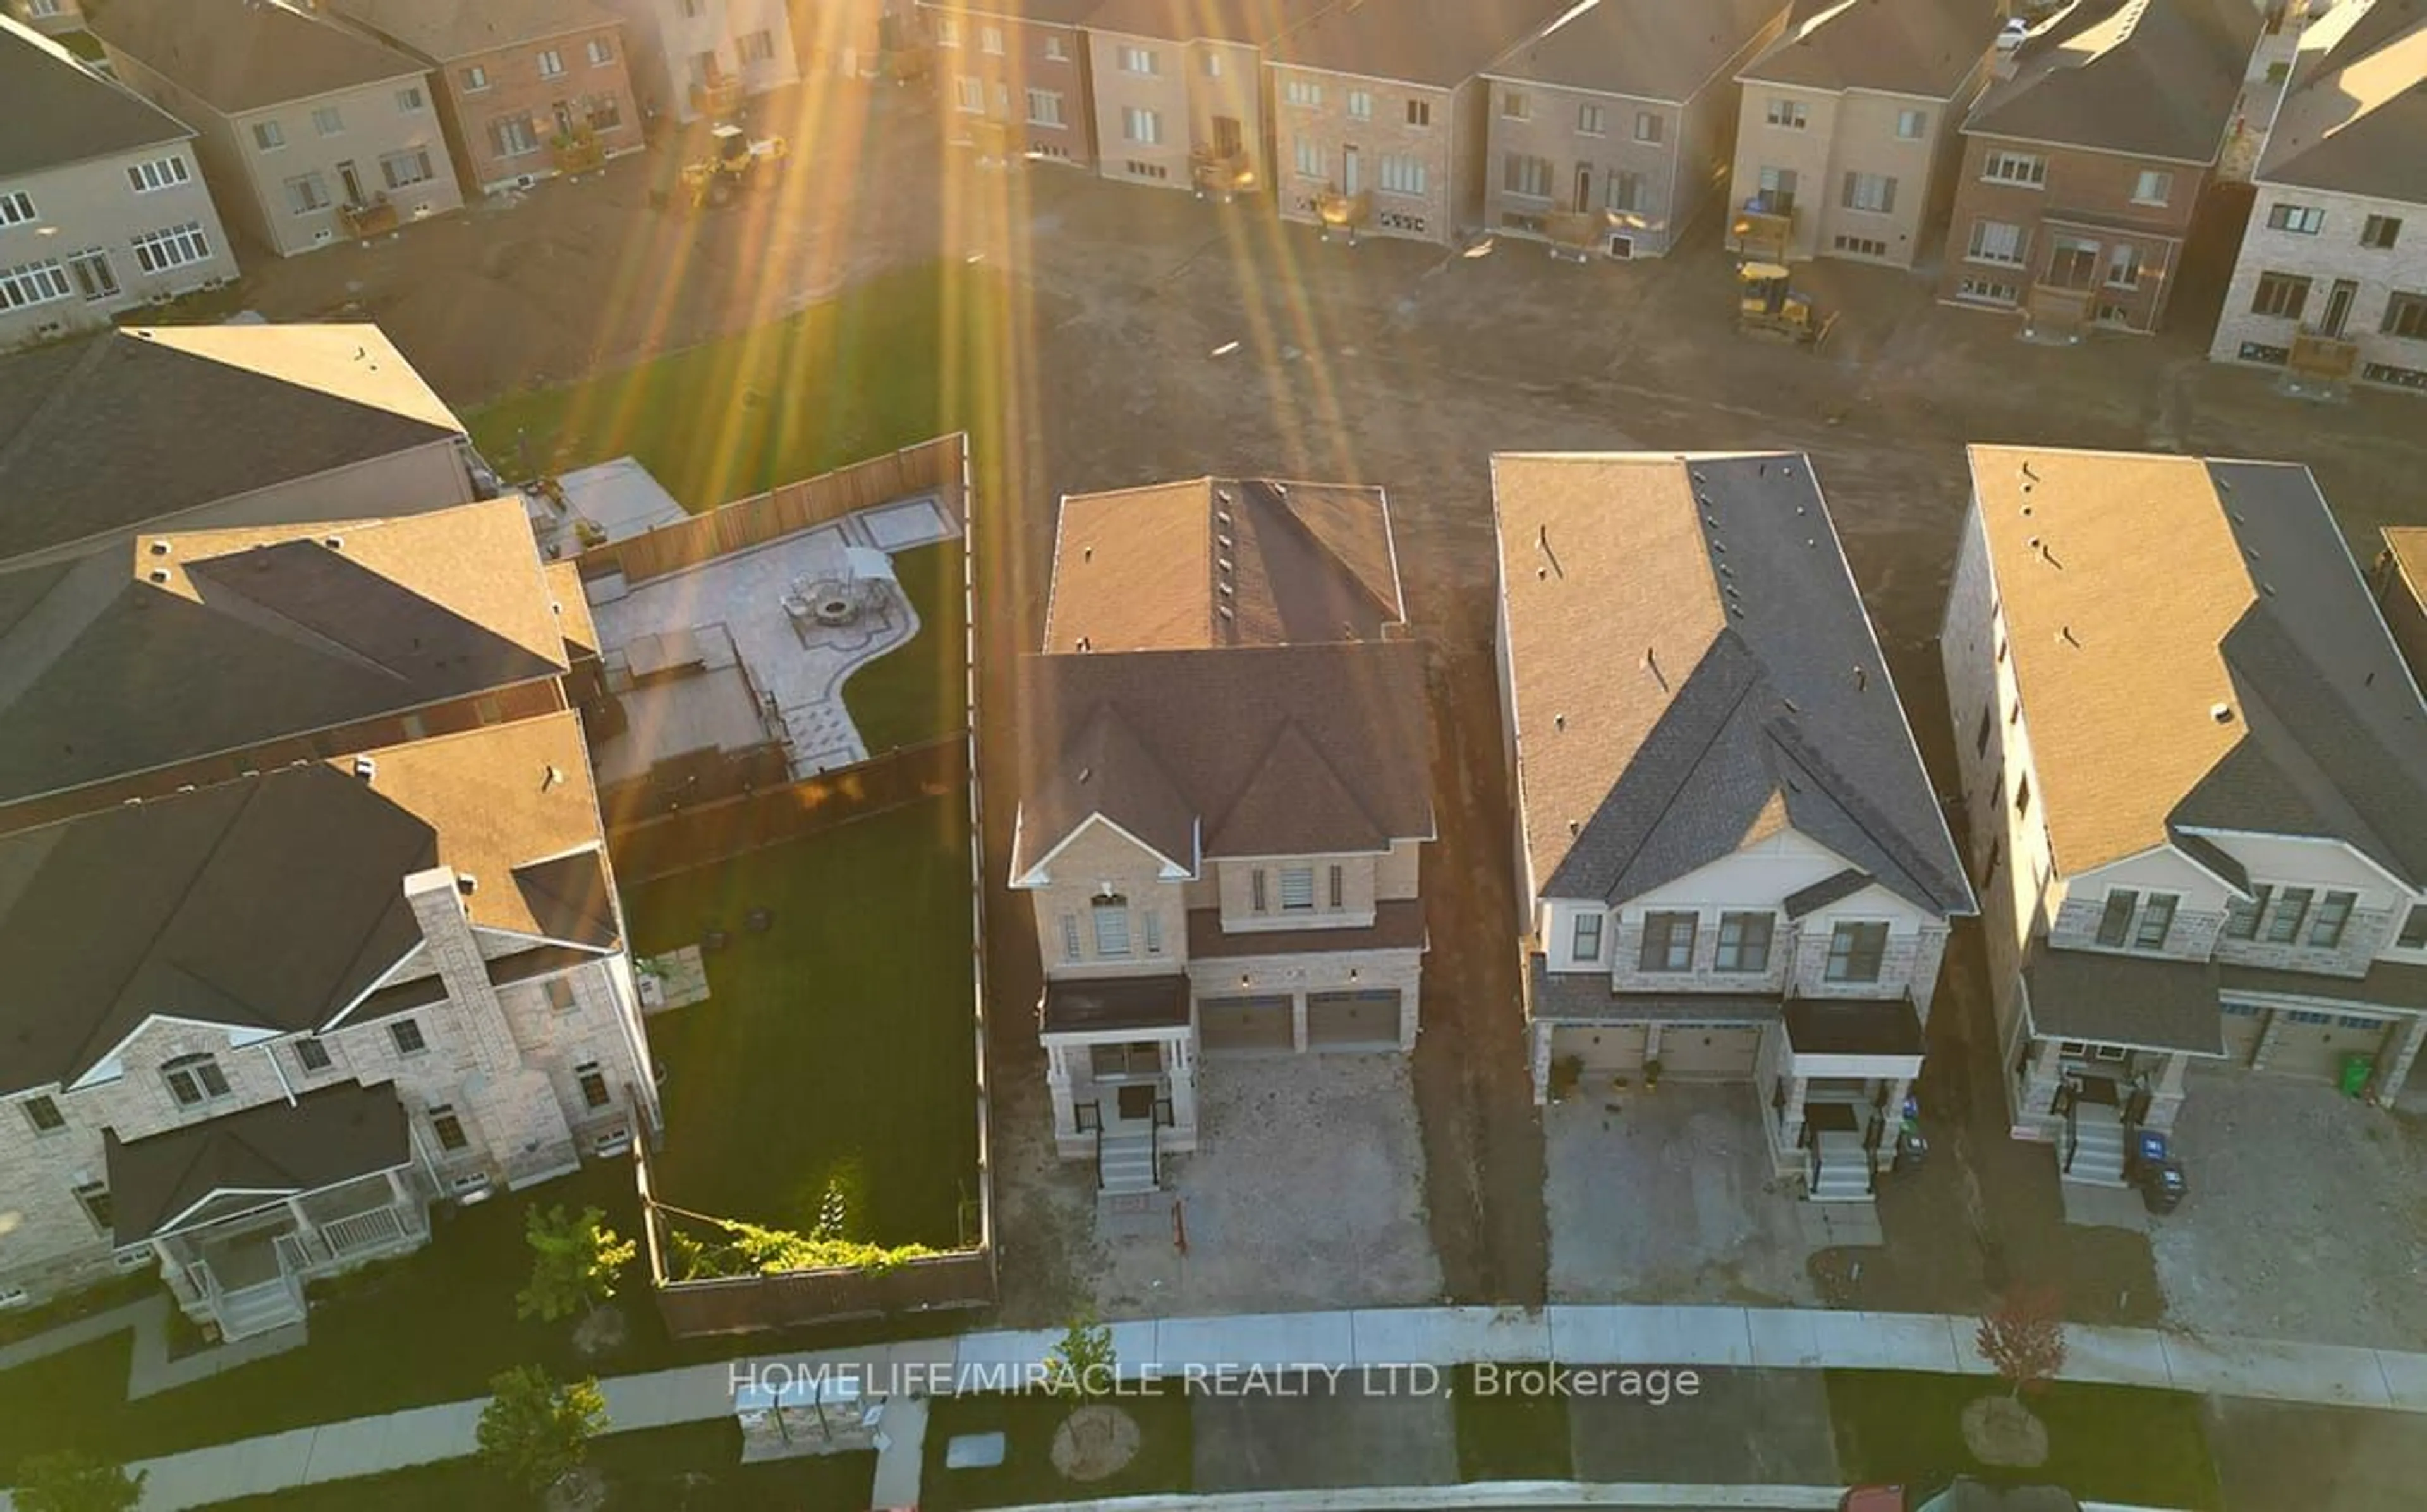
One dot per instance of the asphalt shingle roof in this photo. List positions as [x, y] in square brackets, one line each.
[1223, 21]
[244, 55]
[1640, 49]
[2146, 78]
[1927, 48]
[2145, 1002]
[60, 111]
[325, 1136]
[1411, 42]
[2355, 120]
[444, 30]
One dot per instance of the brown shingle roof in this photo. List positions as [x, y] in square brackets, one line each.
[61, 111]
[1693, 670]
[244, 55]
[2354, 120]
[444, 30]
[325, 1136]
[2143, 593]
[1927, 48]
[1411, 42]
[1641, 49]
[1184, 21]
[1217, 562]
[2147, 78]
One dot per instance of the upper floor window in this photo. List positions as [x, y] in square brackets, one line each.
[327, 120]
[1650, 126]
[1593, 120]
[1584, 941]
[2242, 914]
[2130, 920]
[1360, 105]
[2380, 232]
[756, 47]
[93, 1197]
[2406, 316]
[2014, 168]
[1339, 880]
[2021, 795]
[2152, 187]
[1514, 104]
[1150, 930]
[1788, 113]
[406, 1034]
[1302, 91]
[2292, 912]
[1526, 176]
[593, 1083]
[947, 32]
[2299, 220]
[194, 1079]
[1912, 124]
[2282, 295]
[560, 994]
[1297, 889]
[1070, 950]
[2414, 929]
[1668, 942]
[43, 1114]
[1744, 942]
[1056, 50]
[312, 1053]
[1874, 192]
[1138, 60]
[2333, 918]
[159, 173]
[1856, 950]
[268, 135]
[411, 101]
[16, 207]
[551, 63]
[1420, 112]
[476, 79]
[990, 40]
[1112, 920]
[449, 1127]
[600, 52]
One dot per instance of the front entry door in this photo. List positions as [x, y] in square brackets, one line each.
[2339, 308]
[353, 183]
[1350, 178]
[1228, 141]
[1584, 186]
[1136, 1103]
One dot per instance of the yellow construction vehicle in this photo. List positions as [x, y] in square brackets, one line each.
[1341, 213]
[1767, 306]
[1220, 175]
[734, 163]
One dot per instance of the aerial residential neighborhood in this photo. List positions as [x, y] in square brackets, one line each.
[1231, 752]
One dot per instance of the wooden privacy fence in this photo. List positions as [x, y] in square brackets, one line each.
[931, 466]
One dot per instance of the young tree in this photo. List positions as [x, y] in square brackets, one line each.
[534, 1431]
[2023, 1338]
[573, 1261]
[69, 1482]
[1083, 1363]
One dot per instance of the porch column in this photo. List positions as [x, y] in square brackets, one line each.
[1298, 1021]
[1790, 1118]
[2276, 1024]
[1899, 1090]
[2396, 1070]
[1179, 1067]
[1541, 1059]
[307, 1232]
[1057, 1082]
[1411, 999]
[2048, 1070]
[2166, 1098]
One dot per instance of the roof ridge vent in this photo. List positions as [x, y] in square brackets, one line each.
[159, 575]
[466, 883]
[2222, 714]
[366, 767]
[160, 548]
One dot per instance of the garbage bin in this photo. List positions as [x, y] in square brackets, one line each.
[2357, 1070]
[2147, 1153]
[2163, 1188]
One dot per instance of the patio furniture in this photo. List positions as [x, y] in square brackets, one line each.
[714, 941]
[758, 920]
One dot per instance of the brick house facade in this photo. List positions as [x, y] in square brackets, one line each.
[1018, 82]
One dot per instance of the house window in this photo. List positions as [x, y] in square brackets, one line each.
[1360, 105]
[2073, 262]
[600, 52]
[1141, 125]
[43, 1114]
[2023, 795]
[406, 1034]
[1744, 942]
[93, 1197]
[2406, 316]
[551, 63]
[606, 112]
[990, 40]
[305, 193]
[2299, 220]
[94, 277]
[157, 251]
[1303, 91]
[1911, 125]
[1256, 897]
[1996, 241]
[17, 208]
[1420, 112]
[2152, 187]
[1402, 174]
[2242, 914]
[2115, 921]
[514, 137]
[1650, 126]
[1309, 154]
[268, 135]
[448, 1128]
[1044, 107]
[1787, 113]
[2380, 232]
[1297, 889]
[2291, 911]
[1526, 176]
[2124, 266]
[1872, 192]
[1514, 104]
[1668, 942]
[1622, 190]
[476, 79]
[1112, 920]
[2014, 168]
[1339, 887]
[1585, 943]
[312, 1054]
[2334, 915]
[194, 1079]
[2414, 929]
[1856, 952]
[1861, 246]
[971, 94]
[756, 47]
[1133, 59]
[2157, 921]
[1980, 737]
[1151, 925]
[159, 173]
[593, 1083]
[947, 32]
[1593, 120]
[1070, 937]
[2282, 295]
[560, 994]
[404, 170]
[327, 120]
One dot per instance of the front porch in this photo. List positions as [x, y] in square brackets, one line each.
[246, 1275]
[1838, 1074]
[2098, 1050]
[1120, 1064]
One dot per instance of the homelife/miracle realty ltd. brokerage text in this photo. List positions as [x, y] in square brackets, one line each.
[783, 1382]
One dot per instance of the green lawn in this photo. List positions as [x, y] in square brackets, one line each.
[695, 1466]
[918, 692]
[871, 371]
[1509, 1435]
[1027, 1421]
[2108, 1443]
[837, 1044]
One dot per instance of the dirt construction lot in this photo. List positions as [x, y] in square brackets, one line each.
[1151, 335]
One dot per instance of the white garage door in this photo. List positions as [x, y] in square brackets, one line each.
[1611, 1051]
[1352, 1020]
[1710, 1052]
[1244, 1026]
[2244, 1025]
[2313, 1043]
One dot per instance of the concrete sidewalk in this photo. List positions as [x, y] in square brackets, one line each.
[1170, 1348]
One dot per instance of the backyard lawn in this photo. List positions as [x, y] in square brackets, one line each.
[868, 372]
[917, 693]
[2106, 1443]
[1027, 1421]
[836, 1047]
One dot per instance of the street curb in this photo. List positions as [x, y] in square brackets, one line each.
[1481, 1494]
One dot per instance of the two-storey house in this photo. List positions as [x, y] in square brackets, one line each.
[1225, 791]
[1626, 111]
[101, 205]
[1848, 127]
[189, 425]
[705, 58]
[525, 91]
[1380, 113]
[1180, 90]
[2197, 789]
[1731, 864]
[2085, 163]
[1012, 76]
[310, 133]
[2334, 257]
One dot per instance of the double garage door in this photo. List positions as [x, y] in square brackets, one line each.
[1711, 1053]
[1335, 1021]
[2307, 1044]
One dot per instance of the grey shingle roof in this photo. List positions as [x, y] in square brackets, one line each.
[1412, 41]
[1824, 892]
[1225, 21]
[243, 54]
[2353, 121]
[2393, 983]
[1585, 997]
[1641, 49]
[1853, 1026]
[2141, 1002]
[1919, 48]
[444, 29]
[326, 1135]
[60, 111]
[1693, 671]
[1398, 925]
[1076, 1003]
[2145, 78]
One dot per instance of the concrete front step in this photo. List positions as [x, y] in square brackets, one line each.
[1127, 1165]
[1842, 1185]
